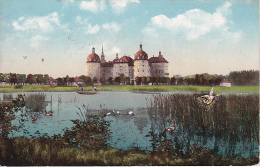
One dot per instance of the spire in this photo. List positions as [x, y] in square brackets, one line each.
[93, 50]
[102, 55]
[117, 56]
[141, 47]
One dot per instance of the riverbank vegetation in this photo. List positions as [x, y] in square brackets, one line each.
[43, 152]
[233, 116]
[154, 88]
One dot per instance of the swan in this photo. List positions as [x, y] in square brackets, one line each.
[209, 98]
[171, 128]
[131, 113]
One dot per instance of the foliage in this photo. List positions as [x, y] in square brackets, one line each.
[35, 102]
[246, 77]
[48, 152]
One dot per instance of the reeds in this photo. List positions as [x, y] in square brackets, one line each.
[35, 102]
[232, 118]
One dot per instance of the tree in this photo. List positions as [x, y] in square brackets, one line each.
[21, 78]
[30, 79]
[95, 80]
[138, 80]
[102, 80]
[122, 78]
[180, 81]
[2, 77]
[12, 78]
[110, 80]
[173, 80]
[59, 81]
[39, 78]
[117, 80]
[46, 79]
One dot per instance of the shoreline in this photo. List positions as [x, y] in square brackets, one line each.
[132, 88]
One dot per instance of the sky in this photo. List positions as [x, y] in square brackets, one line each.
[195, 36]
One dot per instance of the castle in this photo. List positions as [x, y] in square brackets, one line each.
[140, 66]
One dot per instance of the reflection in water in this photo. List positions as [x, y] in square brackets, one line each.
[228, 126]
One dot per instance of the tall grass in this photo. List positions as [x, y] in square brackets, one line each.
[35, 102]
[231, 118]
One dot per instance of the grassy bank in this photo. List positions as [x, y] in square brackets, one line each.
[43, 151]
[156, 88]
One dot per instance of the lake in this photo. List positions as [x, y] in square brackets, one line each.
[226, 133]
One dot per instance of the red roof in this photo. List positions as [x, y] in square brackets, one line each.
[141, 55]
[78, 80]
[225, 81]
[53, 80]
[106, 64]
[125, 59]
[93, 57]
[116, 60]
[158, 59]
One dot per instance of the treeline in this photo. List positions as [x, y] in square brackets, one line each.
[237, 78]
[20, 79]
[245, 77]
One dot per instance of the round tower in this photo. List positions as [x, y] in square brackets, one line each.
[141, 64]
[93, 65]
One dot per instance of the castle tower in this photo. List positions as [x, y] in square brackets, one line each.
[141, 64]
[93, 65]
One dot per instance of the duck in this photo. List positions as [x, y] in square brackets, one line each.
[208, 99]
[171, 128]
[49, 113]
[34, 118]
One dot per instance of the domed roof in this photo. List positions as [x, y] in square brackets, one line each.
[93, 57]
[141, 55]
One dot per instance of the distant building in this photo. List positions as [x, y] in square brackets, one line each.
[76, 82]
[140, 66]
[225, 83]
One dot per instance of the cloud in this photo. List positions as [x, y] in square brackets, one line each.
[193, 23]
[35, 41]
[44, 23]
[111, 26]
[120, 5]
[92, 29]
[93, 5]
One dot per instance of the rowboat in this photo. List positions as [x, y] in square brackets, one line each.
[87, 93]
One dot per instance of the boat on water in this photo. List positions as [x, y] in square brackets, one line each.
[87, 92]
